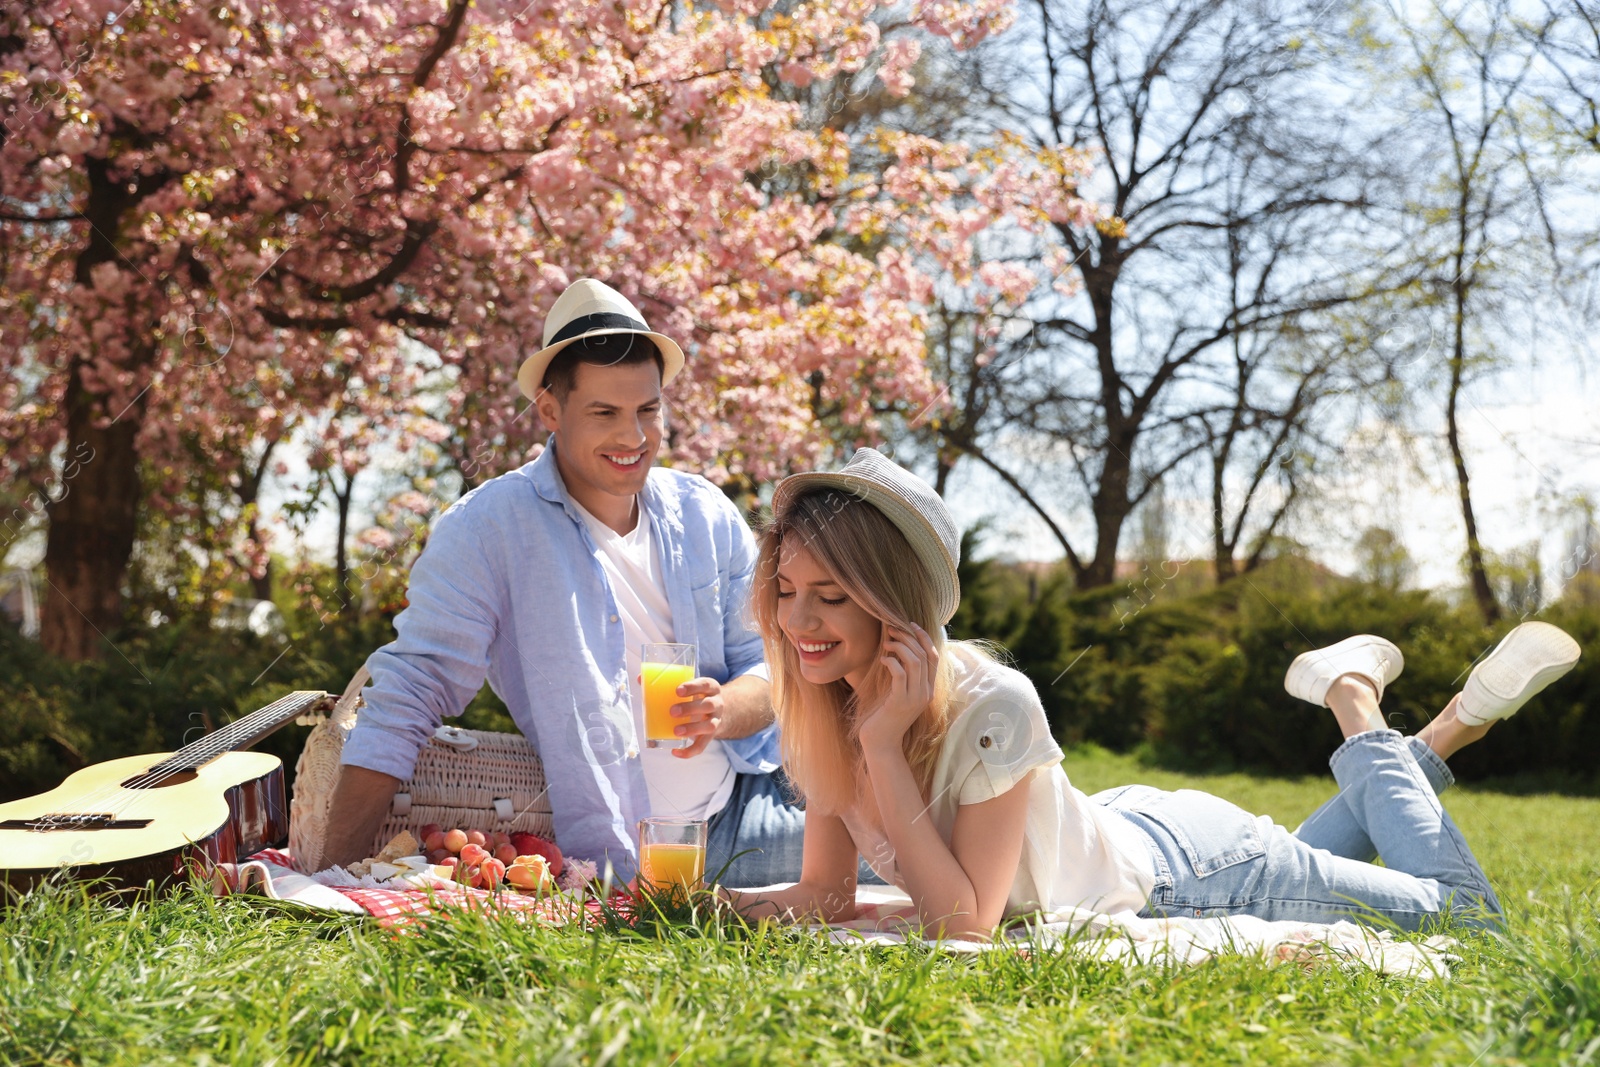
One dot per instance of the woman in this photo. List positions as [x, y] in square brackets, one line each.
[935, 763]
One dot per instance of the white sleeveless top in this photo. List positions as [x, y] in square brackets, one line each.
[1075, 853]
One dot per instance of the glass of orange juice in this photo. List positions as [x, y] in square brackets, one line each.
[672, 853]
[662, 668]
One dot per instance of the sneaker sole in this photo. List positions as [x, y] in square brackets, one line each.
[1524, 662]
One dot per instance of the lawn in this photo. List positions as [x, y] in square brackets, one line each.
[190, 979]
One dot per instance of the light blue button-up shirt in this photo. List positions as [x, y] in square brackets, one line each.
[510, 588]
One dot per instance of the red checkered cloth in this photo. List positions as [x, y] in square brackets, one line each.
[272, 873]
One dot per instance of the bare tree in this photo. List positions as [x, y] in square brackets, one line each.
[1230, 179]
[1485, 237]
[1568, 39]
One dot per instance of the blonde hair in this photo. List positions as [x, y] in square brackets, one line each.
[819, 724]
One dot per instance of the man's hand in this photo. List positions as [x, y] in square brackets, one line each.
[360, 802]
[699, 717]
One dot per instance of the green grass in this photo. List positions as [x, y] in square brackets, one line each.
[191, 979]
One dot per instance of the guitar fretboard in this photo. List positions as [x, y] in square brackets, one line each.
[237, 734]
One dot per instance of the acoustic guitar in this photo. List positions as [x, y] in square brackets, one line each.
[151, 818]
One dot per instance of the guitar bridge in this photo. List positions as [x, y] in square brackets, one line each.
[74, 821]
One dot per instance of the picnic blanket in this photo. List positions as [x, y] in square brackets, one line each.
[883, 918]
[272, 873]
[1132, 938]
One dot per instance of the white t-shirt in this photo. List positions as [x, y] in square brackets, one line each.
[695, 788]
[1075, 853]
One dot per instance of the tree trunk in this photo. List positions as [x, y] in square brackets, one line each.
[1221, 550]
[261, 584]
[1111, 508]
[248, 490]
[92, 524]
[1482, 592]
[92, 528]
[941, 475]
[341, 561]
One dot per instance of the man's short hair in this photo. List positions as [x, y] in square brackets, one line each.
[607, 350]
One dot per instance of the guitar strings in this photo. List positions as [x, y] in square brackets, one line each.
[119, 797]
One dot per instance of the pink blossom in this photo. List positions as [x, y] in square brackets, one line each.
[577, 874]
[899, 56]
[376, 538]
[301, 280]
[414, 502]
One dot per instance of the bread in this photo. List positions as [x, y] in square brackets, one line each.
[402, 844]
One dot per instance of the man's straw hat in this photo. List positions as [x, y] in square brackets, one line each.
[591, 309]
[905, 500]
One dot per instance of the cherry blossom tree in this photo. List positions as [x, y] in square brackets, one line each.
[209, 209]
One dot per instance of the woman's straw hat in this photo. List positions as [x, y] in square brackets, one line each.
[588, 308]
[905, 500]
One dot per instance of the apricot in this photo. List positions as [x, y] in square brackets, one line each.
[527, 876]
[455, 840]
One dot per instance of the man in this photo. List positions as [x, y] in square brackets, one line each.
[548, 580]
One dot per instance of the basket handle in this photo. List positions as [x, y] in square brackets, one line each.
[346, 707]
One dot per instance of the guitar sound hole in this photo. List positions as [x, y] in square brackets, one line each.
[158, 780]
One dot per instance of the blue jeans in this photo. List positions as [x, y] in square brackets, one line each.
[765, 820]
[1213, 858]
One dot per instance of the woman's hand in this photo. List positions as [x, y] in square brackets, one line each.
[912, 661]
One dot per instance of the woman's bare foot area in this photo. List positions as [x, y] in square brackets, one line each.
[1447, 734]
[1353, 699]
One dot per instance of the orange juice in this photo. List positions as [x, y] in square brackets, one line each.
[661, 681]
[663, 865]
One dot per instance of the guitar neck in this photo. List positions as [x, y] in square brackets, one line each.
[241, 733]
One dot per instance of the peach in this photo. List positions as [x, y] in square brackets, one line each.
[505, 854]
[498, 838]
[434, 842]
[438, 855]
[478, 837]
[474, 854]
[491, 872]
[428, 829]
[455, 840]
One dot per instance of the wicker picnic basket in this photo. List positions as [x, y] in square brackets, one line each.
[472, 779]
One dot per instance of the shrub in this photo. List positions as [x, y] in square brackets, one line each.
[166, 686]
[1196, 679]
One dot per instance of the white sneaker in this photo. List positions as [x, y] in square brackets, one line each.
[1373, 658]
[1529, 658]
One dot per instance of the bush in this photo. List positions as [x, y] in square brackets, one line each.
[1193, 679]
[170, 685]
[1196, 680]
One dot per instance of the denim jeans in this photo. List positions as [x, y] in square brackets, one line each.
[1213, 858]
[764, 820]
[1334, 826]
